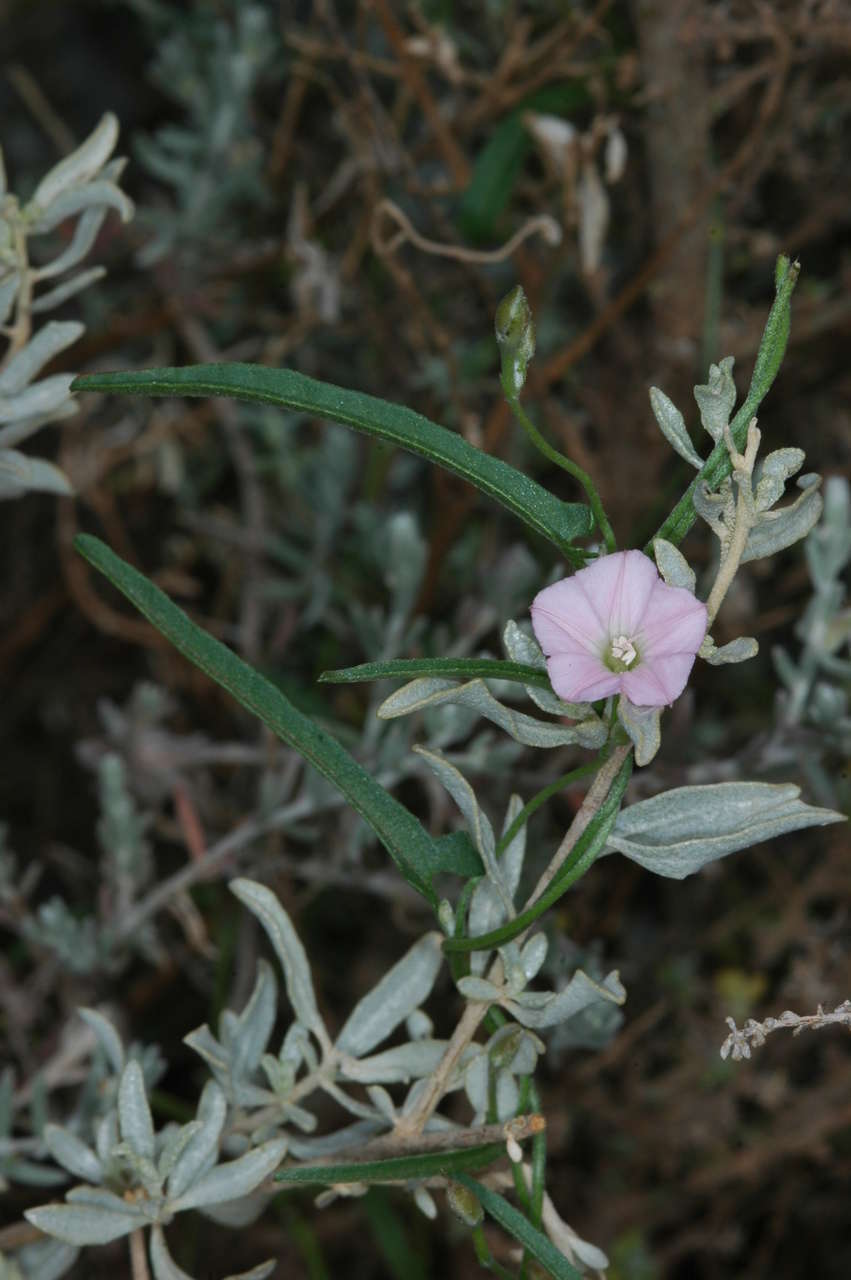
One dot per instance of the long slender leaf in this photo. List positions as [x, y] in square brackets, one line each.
[534, 1241]
[427, 1164]
[560, 522]
[769, 356]
[416, 854]
[586, 850]
[442, 668]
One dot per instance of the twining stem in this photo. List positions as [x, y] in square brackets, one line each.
[591, 805]
[542, 796]
[742, 472]
[474, 1013]
[565, 463]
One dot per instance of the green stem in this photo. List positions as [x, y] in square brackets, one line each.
[566, 465]
[542, 797]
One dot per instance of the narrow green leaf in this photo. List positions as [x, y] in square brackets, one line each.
[426, 1164]
[586, 850]
[413, 850]
[559, 522]
[770, 354]
[443, 668]
[534, 1241]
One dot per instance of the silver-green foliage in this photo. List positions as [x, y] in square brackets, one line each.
[83, 186]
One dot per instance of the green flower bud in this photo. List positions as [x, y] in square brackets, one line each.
[515, 335]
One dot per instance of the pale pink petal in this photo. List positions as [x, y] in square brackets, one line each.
[675, 622]
[657, 683]
[578, 677]
[618, 589]
[562, 620]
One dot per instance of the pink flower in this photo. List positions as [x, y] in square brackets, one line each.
[616, 627]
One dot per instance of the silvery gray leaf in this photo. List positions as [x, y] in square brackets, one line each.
[717, 509]
[260, 1272]
[205, 1043]
[673, 427]
[15, 432]
[85, 234]
[548, 1008]
[81, 165]
[476, 1086]
[85, 1224]
[67, 1150]
[643, 728]
[9, 287]
[106, 1136]
[47, 343]
[507, 1096]
[353, 1135]
[144, 1171]
[46, 1260]
[828, 548]
[108, 1038]
[20, 474]
[162, 1264]
[462, 793]
[402, 989]
[274, 919]
[200, 1153]
[673, 566]
[476, 696]
[784, 525]
[521, 646]
[175, 1143]
[419, 1025]
[676, 833]
[511, 861]
[399, 1065]
[42, 397]
[533, 954]
[98, 194]
[237, 1214]
[254, 1025]
[381, 1100]
[473, 988]
[717, 397]
[486, 912]
[67, 289]
[233, 1179]
[134, 1113]
[771, 474]
[738, 650]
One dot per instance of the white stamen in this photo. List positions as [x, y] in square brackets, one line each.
[624, 650]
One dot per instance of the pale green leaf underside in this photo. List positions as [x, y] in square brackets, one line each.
[559, 522]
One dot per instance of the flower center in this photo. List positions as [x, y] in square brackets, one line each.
[622, 654]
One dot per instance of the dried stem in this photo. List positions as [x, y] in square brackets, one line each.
[743, 465]
[138, 1255]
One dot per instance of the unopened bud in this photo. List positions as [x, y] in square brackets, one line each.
[464, 1204]
[515, 334]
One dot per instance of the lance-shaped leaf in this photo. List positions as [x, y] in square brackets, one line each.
[134, 1113]
[233, 1179]
[513, 1221]
[99, 194]
[676, 833]
[402, 990]
[79, 1224]
[81, 165]
[642, 725]
[399, 1065]
[673, 566]
[559, 522]
[738, 650]
[200, 1152]
[464, 796]
[783, 526]
[67, 1150]
[47, 343]
[274, 919]
[414, 851]
[33, 401]
[442, 669]
[429, 1164]
[673, 427]
[420, 694]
